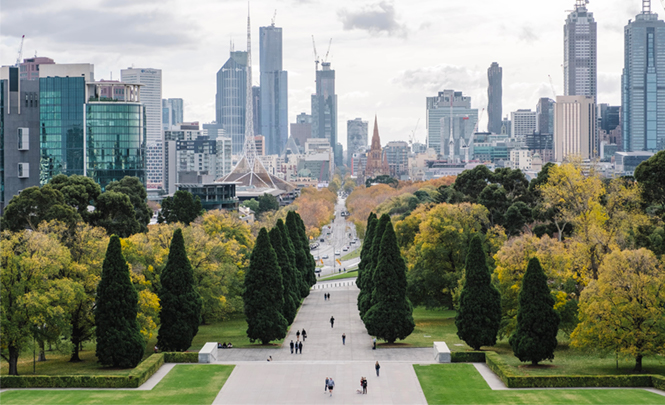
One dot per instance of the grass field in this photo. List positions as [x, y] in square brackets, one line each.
[185, 384]
[462, 384]
[348, 274]
[352, 255]
[434, 325]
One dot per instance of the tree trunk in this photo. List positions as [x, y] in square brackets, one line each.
[42, 351]
[534, 363]
[13, 359]
[638, 363]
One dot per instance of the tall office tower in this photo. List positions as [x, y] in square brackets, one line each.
[397, 155]
[609, 125]
[301, 130]
[440, 136]
[30, 67]
[231, 99]
[523, 123]
[541, 140]
[274, 91]
[256, 105]
[494, 95]
[172, 112]
[324, 106]
[356, 137]
[643, 83]
[579, 52]
[151, 97]
[19, 134]
[575, 127]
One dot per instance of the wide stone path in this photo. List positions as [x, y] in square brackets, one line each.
[299, 378]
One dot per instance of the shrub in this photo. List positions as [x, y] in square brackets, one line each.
[467, 357]
[181, 357]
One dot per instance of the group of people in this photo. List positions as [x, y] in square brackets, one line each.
[304, 335]
[224, 345]
[330, 384]
[296, 345]
[326, 296]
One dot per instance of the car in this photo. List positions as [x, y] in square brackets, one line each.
[317, 258]
[337, 253]
[353, 242]
[317, 270]
[345, 248]
[324, 256]
[322, 240]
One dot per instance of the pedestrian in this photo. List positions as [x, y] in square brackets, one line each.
[331, 385]
[156, 349]
[304, 334]
[291, 344]
[374, 343]
[332, 321]
[300, 347]
[297, 335]
[364, 384]
[343, 338]
[325, 296]
[377, 367]
[326, 388]
[328, 296]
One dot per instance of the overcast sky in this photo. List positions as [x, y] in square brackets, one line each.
[388, 55]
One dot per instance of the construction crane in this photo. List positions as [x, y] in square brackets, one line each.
[316, 55]
[272, 22]
[328, 51]
[20, 52]
[552, 86]
[412, 138]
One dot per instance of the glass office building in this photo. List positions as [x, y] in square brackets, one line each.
[61, 102]
[115, 135]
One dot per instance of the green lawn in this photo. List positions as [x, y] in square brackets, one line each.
[348, 274]
[185, 384]
[434, 325]
[462, 384]
[352, 255]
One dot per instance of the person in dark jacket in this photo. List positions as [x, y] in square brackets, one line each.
[291, 345]
[300, 347]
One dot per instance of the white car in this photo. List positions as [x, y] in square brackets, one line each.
[324, 256]
[337, 253]
[345, 248]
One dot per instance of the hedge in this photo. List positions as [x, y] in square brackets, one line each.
[513, 380]
[467, 357]
[181, 357]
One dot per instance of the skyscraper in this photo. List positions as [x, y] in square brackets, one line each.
[231, 99]
[324, 106]
[356, 137]
[301, 130]
[494, 94]
[172, 113]
[274, 86]
[575, 127]
[579, 52]
[523, 123]
[643, 83]
[444, 138]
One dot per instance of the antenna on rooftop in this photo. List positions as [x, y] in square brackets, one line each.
[646, 6]
[272, 22]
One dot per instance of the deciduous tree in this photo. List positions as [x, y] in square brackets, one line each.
[115, 213]
[135, 190]
[182, 207]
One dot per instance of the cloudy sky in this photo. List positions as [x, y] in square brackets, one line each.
[388, 55]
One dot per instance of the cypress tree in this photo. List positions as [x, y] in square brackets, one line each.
[291, 252]
[365, 299]
[391, 317]
[534, 338]
[310, 275]
[302, 262]
[119, 340]
[364, 251]
[479, 314]
[264, 293]
[181, 303]
[288, 280]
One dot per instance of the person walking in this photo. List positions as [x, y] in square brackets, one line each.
[364, 385]
[374, 344]
[304, 334]
[300, 348]
[297, 335]
[326, 388]
[332, 321]
[291, 345]
[328, 296]
[325, 296]
[331, 385]
[377, 367]
[344, 338]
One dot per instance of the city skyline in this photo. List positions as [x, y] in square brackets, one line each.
[527, 43]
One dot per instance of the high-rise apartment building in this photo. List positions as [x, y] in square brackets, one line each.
[523, 123]
[643, 83]
[579, 52]
[172, 112]
[324, 106]
[231, 98]
[575, 127]
[494, 97]
[274, 87]
[151, 97]
[301, 130]
[397, 155]
[30, 67]
[541, 140]
[356, 137]
[443, 136]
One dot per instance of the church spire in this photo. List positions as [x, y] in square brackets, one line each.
[376, 141]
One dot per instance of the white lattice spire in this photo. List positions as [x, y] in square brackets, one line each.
[250, 143]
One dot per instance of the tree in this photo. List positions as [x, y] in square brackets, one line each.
[252, 204]
[517, 217]
[310, 276]
[472, 182]
[300, 252]
[135, 190]
[267, 202]
[493, 197]
[79, 192]
[181, 303]
[35, 205]
[115, 213]
[366, 295]
[479, 314]
[624, 310]
[366, 248]
[119, 340]
[382, 179]
[391, 316]
[182, 207]
[264, 293]
[291, 298]
[650, 175]
[534, 339]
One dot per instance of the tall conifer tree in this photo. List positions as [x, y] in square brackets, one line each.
[534, 339]
[479, 315]
[310, 275]
[119, 340]
[366, 301]
[391, 316]
[364, 251]
[288, 280]
[264, 293]
[180, 315]
[291, 252]
[302, 262]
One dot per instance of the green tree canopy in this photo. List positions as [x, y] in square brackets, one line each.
[288, 277]
[182, 207]
[115, 213]
[264, 293]
[35, 205]
[301, 252]
[299, 284]
[366, 295]
[534, 339]
[252, 204]
[650, 175]
[135, 190]
[79, 192]
[119, 340]
[479, 315]
[472, 182]
[181, 304]
[366, 248]
[310, 276]
[267, 202]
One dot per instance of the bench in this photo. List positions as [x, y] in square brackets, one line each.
[208, 353]
[441, 352]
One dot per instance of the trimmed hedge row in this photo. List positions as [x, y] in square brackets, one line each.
[513, 380]
[134, 379]
[467, 357]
